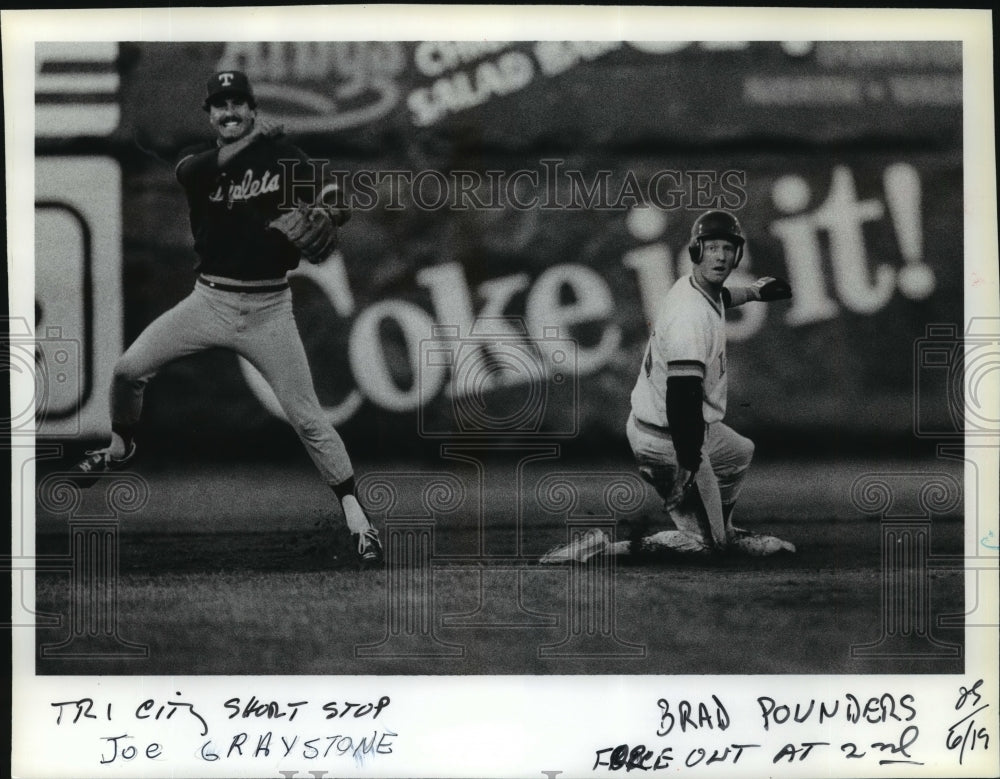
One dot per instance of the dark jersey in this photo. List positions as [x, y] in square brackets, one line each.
[231, 207]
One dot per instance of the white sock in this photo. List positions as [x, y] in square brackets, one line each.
[117, 447]
[357, 522]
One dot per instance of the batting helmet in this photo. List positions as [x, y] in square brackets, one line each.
[716, 224]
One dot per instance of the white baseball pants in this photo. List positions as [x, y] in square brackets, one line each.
[725, 454]
[260, 327]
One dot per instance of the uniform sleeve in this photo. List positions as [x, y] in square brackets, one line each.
[196, 166]
[685, 344]
[685, 419]
[736, 296]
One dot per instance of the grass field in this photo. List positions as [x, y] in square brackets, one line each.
[239, 571]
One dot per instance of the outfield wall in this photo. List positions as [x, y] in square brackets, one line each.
[553, 183]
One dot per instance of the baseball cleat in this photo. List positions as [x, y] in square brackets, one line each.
[675, 542]
[99, 461]
[579, 550]
[369, 548]
[754, 545]
[733, 532]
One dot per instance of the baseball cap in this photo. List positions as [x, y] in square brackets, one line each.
[226, 83]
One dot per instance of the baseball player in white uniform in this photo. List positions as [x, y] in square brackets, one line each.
[249, 231]
[683, 448]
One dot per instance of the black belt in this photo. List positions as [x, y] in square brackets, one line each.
[241, 288]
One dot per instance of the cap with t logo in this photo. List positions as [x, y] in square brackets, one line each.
[228, 83]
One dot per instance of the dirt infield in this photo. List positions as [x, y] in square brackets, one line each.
[216, 577]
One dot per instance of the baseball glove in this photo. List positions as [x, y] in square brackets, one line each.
[310, 230]
[769, 288]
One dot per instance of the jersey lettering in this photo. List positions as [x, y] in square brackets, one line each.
[249, 187]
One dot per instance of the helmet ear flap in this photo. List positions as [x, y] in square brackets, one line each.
[694, 249]
[715, 224]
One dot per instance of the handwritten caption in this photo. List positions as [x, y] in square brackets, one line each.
[894, 717]
[117, 745]
[879, 728]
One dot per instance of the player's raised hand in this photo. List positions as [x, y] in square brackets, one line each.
[768, 288]
[268, 128]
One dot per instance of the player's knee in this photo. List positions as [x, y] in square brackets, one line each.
[745, 450]
[127, 373]
[306, 427]
[661, 478]
[310, 426]
[657, 476]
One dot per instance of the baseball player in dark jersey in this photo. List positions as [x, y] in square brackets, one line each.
[693, 459]
[257, 206]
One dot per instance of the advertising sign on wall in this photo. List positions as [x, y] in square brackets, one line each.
[552, 185]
